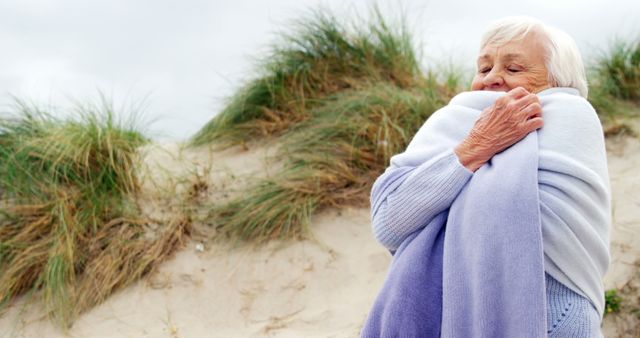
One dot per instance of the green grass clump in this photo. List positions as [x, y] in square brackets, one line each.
[614, 87]
[68, 227]
[617, 72]
[321, 57]
[612, 301]
[330, 160]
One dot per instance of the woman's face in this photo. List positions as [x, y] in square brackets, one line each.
[515, 64]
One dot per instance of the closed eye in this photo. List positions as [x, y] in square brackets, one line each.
[485, 70]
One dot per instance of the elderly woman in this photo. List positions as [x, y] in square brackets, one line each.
[498, 212]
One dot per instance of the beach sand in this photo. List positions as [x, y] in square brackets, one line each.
[321, 287]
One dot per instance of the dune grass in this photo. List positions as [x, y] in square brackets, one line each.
[614, 86]
[323, 56]
[68, 227]
[617, 72]
[329, 160]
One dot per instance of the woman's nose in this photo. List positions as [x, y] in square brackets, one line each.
[493, 79]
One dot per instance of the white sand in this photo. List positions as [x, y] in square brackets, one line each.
[624, 272]
[313, 288]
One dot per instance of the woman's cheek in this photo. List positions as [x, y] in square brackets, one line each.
[538, 81]
[476, 84]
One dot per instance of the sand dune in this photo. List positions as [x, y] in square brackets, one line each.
[322, 287]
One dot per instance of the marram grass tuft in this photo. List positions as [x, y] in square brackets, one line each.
[329, 160]
[614, 87]
[617, 72]
[321, 57]
[68, 225]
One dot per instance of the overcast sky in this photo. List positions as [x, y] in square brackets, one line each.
[185, 57]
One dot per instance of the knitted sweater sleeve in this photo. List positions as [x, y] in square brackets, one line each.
[405, 199]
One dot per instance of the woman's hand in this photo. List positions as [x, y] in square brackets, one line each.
[506, 122]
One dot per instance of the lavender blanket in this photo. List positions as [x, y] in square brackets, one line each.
[488, 255]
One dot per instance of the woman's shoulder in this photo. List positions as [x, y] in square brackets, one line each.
[566, 104]
[568, 97]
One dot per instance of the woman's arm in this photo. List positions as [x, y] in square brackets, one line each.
[405, 199]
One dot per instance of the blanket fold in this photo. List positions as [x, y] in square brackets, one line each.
[477, 268]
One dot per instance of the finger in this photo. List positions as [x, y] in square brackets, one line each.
[525, 101]
[532, 110]
[533, 124]
[535, 113]
[517, 92]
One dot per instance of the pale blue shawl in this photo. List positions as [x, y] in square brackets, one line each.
[543, 204]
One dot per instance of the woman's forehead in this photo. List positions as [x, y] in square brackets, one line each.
[508, 55]
[522, 49]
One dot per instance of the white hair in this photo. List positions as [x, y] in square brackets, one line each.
[562, 57]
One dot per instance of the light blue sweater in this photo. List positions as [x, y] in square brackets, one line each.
[569, 314]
